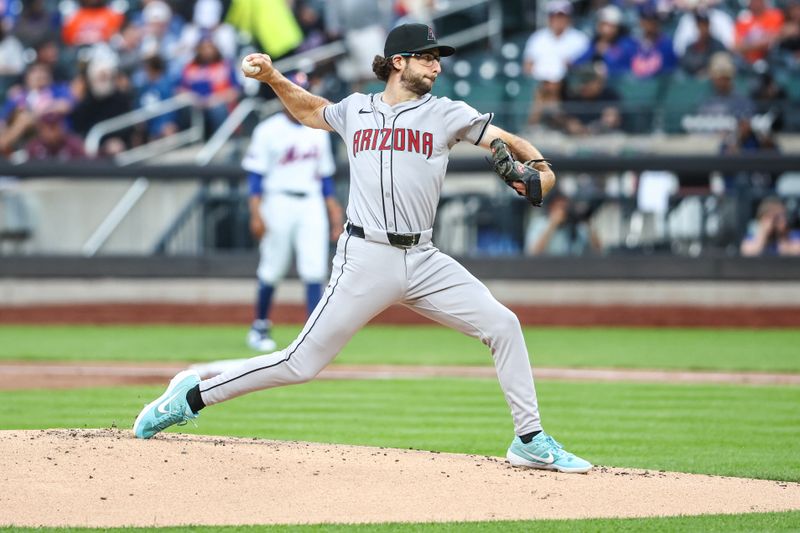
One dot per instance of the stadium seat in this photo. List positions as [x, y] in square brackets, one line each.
[443, 86]
[639, 99]
[5, 84]
[682, 96]
[791, 84]
[485, 95]
[519, 98]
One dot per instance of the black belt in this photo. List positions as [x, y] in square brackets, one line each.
[296, 194]
[401, 240]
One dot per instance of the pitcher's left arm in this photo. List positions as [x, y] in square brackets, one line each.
[522, 152]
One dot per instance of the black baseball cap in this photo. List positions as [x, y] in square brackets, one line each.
[701, 14]
[414, 38]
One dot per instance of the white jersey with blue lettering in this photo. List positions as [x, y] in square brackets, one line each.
[290, 157]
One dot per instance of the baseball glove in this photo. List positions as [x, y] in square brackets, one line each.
[515, 172]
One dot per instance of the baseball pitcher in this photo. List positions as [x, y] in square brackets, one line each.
[398, 142]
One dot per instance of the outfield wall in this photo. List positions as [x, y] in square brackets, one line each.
[15, 292]
[553, 303]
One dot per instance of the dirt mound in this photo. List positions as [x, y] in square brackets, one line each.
[106, 478]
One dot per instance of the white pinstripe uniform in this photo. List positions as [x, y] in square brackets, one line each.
[398, 158]
[292, 160]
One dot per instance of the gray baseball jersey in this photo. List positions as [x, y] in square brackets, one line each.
[398, 158]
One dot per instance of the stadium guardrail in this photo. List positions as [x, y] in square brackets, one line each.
[598, 163]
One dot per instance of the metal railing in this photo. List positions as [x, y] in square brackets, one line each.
[156, 147]
[308, 59]
[115, 216]
[491, 29]
[707, 226]
[185, 236]
[235, 119]
[140, 153]
[303, 61]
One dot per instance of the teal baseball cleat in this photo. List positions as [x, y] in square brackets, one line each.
[168, 409]
[546, 453]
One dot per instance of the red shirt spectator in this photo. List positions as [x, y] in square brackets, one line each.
[53, 141]
[209, 75]
[212, 79]
[756, 29]
[92, 23]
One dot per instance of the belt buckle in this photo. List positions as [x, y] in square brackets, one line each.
[403, 240]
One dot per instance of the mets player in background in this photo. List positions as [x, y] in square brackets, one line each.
[398, 142]
[293, 210]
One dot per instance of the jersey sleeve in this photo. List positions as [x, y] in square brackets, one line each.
[255, 183]
[256, 159]
[336, 115]
[464, 123]
[327, 166]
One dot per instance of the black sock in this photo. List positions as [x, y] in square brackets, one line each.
[524, 438]
[194, 400]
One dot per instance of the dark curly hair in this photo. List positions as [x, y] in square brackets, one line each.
[382, 67]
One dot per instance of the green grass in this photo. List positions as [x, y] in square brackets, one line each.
[725, 430]
[764, 522]
[709, 349]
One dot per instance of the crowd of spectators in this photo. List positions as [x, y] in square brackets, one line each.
[739, 47]
[607, 67]
[66, 65]
[149, 50]
[79, 62]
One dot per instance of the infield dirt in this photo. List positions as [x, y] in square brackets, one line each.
[106, 478]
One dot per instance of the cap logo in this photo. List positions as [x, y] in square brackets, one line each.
[431, 36]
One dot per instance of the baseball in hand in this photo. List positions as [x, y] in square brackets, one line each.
[249, 68]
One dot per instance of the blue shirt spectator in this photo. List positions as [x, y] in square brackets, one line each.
[7, 13]
[25, 104]
[160, 35]
[724, 99]
[174, 22]
[154, 86]
[610, 45]
[37, 101]
[770, 233]
[654, 53]
[34, 22]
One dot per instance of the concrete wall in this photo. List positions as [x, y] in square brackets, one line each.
[66, 212]
[17, 292]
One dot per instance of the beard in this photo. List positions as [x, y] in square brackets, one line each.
[416, 83]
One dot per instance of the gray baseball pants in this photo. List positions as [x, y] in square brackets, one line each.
[366, 278]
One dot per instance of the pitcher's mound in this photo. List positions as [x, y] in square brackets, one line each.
[106, 478]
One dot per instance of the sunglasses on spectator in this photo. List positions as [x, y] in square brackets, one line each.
[426, 59]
